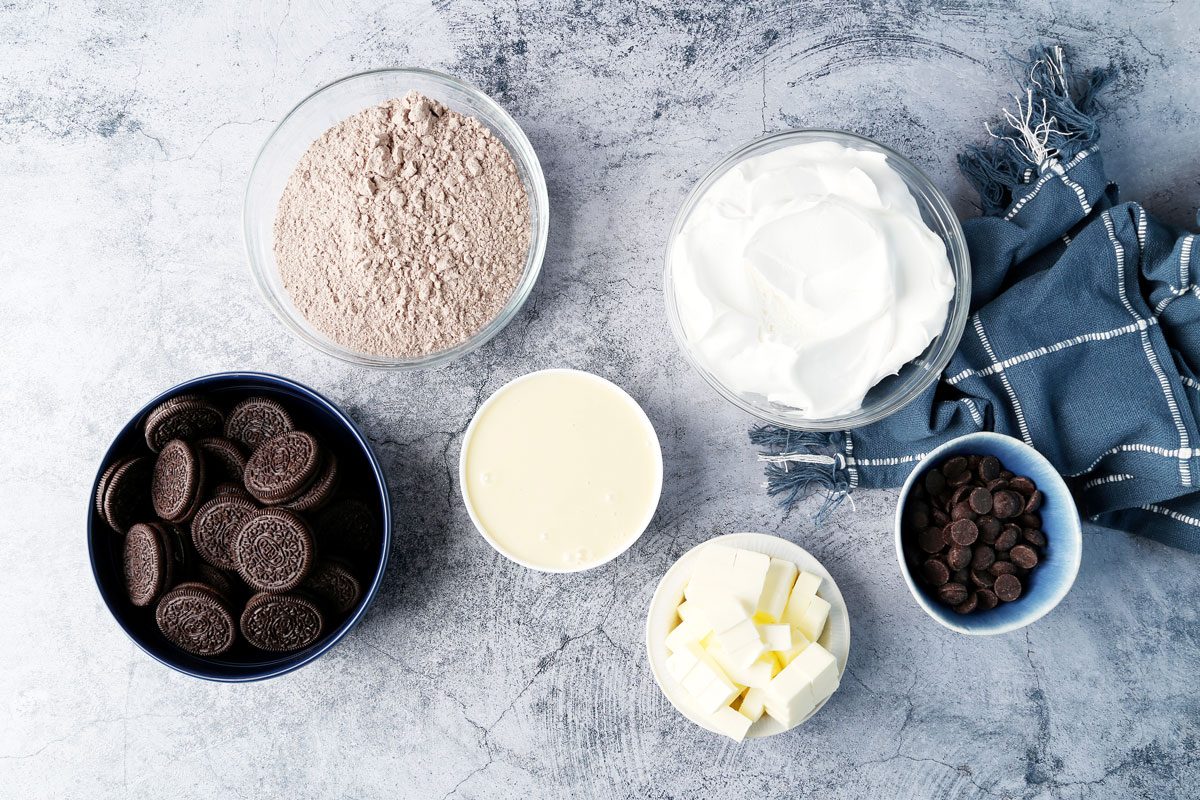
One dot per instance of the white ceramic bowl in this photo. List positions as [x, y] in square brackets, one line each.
[662, 618]
[497, 545]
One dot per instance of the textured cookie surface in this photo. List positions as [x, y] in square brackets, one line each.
[123, 496]
[282, 467]
[320, 490]
[186, 417]
[256, 419]
[215, 525]
[281, 622]
[273, 550]
[194, 617]
[148, 558]
[335, 584]
[223, 459]
[178, 480]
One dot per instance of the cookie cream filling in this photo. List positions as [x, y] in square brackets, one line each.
[806, 275]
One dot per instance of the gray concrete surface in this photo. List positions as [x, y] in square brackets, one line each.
[126, 133]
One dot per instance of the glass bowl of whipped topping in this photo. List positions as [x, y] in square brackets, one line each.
[817, 279]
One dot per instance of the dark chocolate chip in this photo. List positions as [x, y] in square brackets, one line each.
[1034, 537]
[1006, 504]
[982, 578]
[963, 532]
[962, 511]
[999, 568]
[1023, 485]
[989, 468]
[952, 593]
[1034, 502]
[987, 599]
[981, 501]
[1007, 588]
[1008, 537]
[935, 572]
[1024, 556]
[968, 605]
[935, 481]
[983, 557]
[932, 540]
[989, 529]
[958, 557]
[955, 466]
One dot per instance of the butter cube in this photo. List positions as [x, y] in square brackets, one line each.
[757, 673]
[775, 637]
[790, 710]
[684, 634]
[680, 663]
[781, 576]
[819, 667]
[812, 621]
[731, 723]
[752, 704]
[742, 642]
[803, 592]
[714, 565]
[721, 611]
[748, 577]
[685, 610]
[708, 684]
[799, 642]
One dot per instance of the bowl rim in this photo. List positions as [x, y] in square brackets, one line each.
[768, 543]
[462, 470]
[952, 331]
[1061, 492]
[266, 380]
[522, 151]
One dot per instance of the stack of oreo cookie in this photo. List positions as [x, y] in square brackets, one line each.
[234, 527]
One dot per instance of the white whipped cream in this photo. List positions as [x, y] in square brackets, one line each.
[806, 275]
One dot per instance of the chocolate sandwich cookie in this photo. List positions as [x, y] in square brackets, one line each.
[281, 622]
[123, 494]
[334, 583]
[253, 421]
[223, 458]
[186, 417]
[282, 467]
[178, 483]
[321, 490]
[149, 562]
[196, 618]
[274, 550]
[230, 489]
[223, 583]
[348, 526]
[215, 525]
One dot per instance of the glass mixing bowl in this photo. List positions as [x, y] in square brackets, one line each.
[326, 107]
[894, 391]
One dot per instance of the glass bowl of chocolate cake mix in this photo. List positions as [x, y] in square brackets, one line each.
[396, 219]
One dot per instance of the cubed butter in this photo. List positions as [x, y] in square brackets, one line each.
[684, 634]
[731, 723]
[820, 668]
[707, 683]
[721, 611]
[748, 577]
[757, 673]
[812, 621]
[714, 564]
[752, 704]
[684, 610]
[680, 663]
[803, 591]
[789, 711]
[799, 642]
[781, 576]
[775, 637]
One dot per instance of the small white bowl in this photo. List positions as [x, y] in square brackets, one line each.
[669, 594]
[496, 545]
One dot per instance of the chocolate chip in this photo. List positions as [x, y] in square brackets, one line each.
[1023, 485]
[935, 572]
[1008, 537]
[960, 493]
[980, 501]
[919, 517]
[1024, 556]
[1007, 588]
[989, 468]
[958, 557]
[960, 479]
[935, 482]
[963, 532]
[982, 578]
[954, 593]
[989, 529]
[955, 466]
[961, 576]
[968, 605]
[999, 568]
[1034, 537]
[962, 511]
[1006, 474]
[1006, 504]
[983, 557]
[997, 485]
[932, 540]
[1031, 520]
[1034, 502]
[940, 518]
[986, 599]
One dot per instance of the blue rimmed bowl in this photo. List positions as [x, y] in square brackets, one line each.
[359, 468]
[1055, 573]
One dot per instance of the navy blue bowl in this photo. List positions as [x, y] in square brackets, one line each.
[358, 467]
[1054, 575]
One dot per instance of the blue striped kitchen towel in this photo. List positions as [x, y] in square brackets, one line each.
[1083, 339]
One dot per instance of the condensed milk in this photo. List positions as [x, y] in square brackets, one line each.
[561, 470]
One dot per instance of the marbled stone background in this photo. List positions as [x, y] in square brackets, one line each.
[126, 133]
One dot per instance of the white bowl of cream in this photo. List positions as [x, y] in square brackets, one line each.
[561, 470]
[807, 274]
